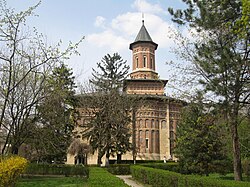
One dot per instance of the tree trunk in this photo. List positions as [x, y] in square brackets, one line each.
[119, 158]
[236, 143]
[107, 158]
[236, 152]
[14, 150]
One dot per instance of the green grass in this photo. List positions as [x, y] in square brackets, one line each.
[229, 176]
[98, 177]
[52, 182]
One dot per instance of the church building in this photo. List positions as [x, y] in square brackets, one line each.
[156, 120]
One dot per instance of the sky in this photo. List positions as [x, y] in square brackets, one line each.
[108, 26]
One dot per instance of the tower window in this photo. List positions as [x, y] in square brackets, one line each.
[151, 63]
[137, 63]
[144, 61]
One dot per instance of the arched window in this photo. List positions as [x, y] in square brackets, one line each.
[147, 123]
[157, 124]
[153, 123]
[144, 61]
[163, 124]
[140, 124]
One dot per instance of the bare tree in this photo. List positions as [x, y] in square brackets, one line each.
[25, 62]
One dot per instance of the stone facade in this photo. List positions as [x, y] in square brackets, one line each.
[157, 118]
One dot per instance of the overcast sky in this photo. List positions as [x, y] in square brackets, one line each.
[108, 26]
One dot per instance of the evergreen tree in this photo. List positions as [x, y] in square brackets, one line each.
[108, 130]
[113, 70]
[221, 57]
[199, 141]
[56, 115]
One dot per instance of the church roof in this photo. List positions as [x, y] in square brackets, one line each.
[143, 36]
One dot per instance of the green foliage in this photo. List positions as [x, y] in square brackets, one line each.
[160, 178]
[55, 113]
[220, 56]
[171, 166]
[199, 141]
[10, 170]
[119, 169]
[244, 134]
[108, 128]
[242, 26]
[113, 70]
[246, 167]
[56, 169]
[100, 177]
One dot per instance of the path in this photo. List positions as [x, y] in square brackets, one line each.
[129, 181]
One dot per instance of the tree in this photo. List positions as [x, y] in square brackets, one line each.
[113, 72]
[220, 59]
[26, 61]
[55, 114]
[199, 141]
[108, 129]
[79, 149]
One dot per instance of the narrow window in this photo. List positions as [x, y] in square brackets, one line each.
[144, 61]
[146, 143]
[147, 123]
[137, 63]
[151, 63]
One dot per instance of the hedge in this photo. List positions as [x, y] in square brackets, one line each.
[100, 177]
[171, 166]
[57, 169]
[10, 170]
[119, 169]
[162, 178]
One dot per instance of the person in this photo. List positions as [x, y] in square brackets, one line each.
[165, 161]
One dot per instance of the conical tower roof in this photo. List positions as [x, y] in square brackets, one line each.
[143, 37]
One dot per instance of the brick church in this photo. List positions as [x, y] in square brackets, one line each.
[156, 120]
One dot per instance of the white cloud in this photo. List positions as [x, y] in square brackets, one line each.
[108, 39]
[145, 7]
[118, 33]
[100, 21]
[129, 24]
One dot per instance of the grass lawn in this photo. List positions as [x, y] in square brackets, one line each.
[52, 182]
[229, 176]
[99, 177]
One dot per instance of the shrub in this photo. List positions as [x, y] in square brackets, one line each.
[171, 166]
[119, 169]
[160, 178]
[57, 169]
[10, 170]
[246, 167]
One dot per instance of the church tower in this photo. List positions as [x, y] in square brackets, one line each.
[143, 49]
[144, 78]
